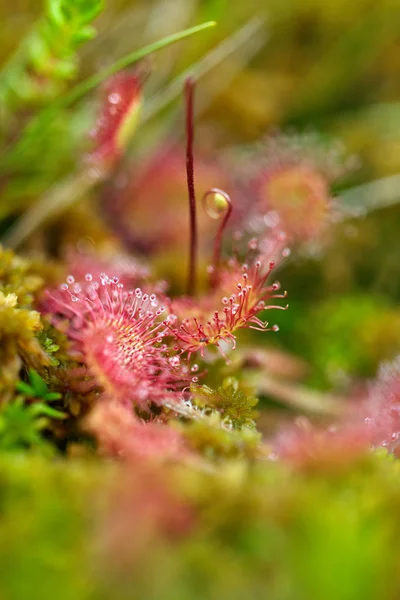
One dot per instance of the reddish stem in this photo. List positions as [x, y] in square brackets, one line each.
[221, 229]
[216, 258]
[191, 282]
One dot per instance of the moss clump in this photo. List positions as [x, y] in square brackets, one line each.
[18, 342]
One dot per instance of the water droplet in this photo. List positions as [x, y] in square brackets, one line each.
[74, 298]
[271, 219]
[194, 368]
[114, 98]
[253, 244]
[195, 379]
[94, 173]
[64, 287]
[215, 202]
[286, 252]
[70, 279]
[89, 277]
[275, 327]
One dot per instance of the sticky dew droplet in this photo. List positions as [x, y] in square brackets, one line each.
[215, 203]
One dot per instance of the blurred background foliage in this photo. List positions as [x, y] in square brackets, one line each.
[330, 66]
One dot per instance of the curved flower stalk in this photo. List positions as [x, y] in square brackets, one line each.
[243, 293]
[119, 336]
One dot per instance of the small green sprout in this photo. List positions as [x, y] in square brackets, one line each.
[37, 388]
[23, 420]
[21, 424]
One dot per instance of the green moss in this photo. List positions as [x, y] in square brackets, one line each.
[18, 342]
[229, 401]
[298, 536]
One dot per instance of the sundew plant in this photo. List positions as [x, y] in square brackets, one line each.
[199, 323]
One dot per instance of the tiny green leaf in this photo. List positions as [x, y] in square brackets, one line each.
[38, 384]
[25, 388]
[50, 396]
[39, 409]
